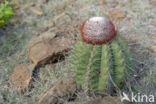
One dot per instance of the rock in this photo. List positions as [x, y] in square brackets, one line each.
[47, 35]
[21, 77]
[59, 7]
[39, 52]
[106, 100]
[112, 3]
[47, 49]
[60, 91]
[153, 2]
[37, 10]
[62, 20]
[102, 2]
[117, 15]
[153, 48]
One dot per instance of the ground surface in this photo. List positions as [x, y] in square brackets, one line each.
[134, 19]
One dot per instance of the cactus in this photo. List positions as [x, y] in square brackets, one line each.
[100, 67]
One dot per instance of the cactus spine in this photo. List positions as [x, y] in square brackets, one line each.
[99, 68]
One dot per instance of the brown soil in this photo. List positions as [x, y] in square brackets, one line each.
[21, 77]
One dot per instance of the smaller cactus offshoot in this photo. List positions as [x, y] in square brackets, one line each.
[100, 61]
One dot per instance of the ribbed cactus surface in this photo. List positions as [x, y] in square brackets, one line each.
[99, 68]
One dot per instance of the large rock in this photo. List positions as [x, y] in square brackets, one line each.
[48, 48]
[21, 77]
[59, 92]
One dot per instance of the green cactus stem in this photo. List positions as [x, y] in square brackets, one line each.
[101, 59]
[99, 68]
